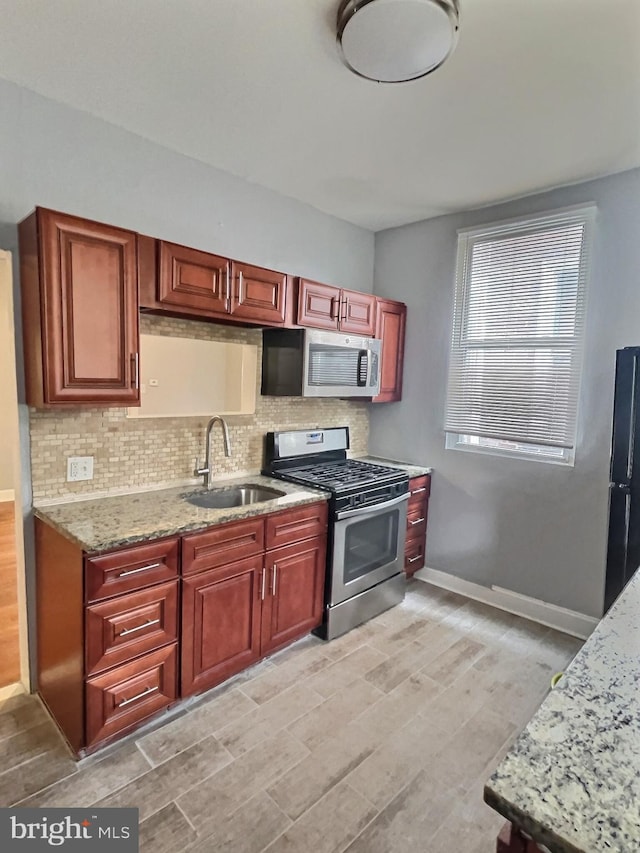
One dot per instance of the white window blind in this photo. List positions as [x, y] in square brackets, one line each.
[516, 352]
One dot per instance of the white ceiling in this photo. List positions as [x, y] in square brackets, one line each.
[538, 93]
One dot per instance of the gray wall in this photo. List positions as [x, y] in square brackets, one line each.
[531, 527]
[54, 156]
[57, 157]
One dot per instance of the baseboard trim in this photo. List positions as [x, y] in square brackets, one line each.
[10, 690]
[568, 621]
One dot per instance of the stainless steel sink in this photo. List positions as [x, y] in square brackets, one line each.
[234, 496]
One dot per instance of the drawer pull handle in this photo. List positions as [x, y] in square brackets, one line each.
[141, 569]
[144, 693]
[417, 521]
[138, 627]
[273, 579]
[413, 559]
[417, 491]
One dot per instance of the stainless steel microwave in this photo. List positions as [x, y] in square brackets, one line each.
[313, 363]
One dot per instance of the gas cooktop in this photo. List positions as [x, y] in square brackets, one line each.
[339, 475]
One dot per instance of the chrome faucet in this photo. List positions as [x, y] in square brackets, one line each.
[207, 471]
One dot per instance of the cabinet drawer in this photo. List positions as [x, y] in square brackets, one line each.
[133, 568]
[121, 698]
[414, 554]
[420, 487]
[294, 525]
[417, 521]
[127, 626]
[223, 544]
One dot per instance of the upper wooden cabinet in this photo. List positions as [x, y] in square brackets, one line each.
[79, 311]
[193, 279]
[390, 329]
[219, 288]
[257, 295]
[323, 307]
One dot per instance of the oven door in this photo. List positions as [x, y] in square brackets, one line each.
[368, 547]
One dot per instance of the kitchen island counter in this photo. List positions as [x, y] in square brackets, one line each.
[572, 779]
[101, 524]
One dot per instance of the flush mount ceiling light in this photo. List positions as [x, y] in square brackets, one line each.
[393, 41]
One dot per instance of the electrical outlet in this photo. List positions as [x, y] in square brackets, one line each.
[79, 468]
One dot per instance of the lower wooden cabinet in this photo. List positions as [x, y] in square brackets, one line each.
[294, 594]
[221, 611]
[511, 840]
[235, 614]
[417, 515]
[123, 697]
[112, 650]
[130, 625]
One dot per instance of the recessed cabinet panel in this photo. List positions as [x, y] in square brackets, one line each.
[294, 597]
[318, 305]
[193, 279]
[294, 525]
[390, 329]
[321, 306]
[92, 305]
[220, 623]
[222, 544]
[121, 698]
[358, 313]
[258, 295]
[80, 287]
[116, 572]
[129, 625]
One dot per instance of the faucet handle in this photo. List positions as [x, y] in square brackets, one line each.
[199, 471]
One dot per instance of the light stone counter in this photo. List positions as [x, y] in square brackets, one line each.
[572, 779]
[105, 523]
[411, 469]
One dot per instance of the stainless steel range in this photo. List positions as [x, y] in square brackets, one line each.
[368, 515]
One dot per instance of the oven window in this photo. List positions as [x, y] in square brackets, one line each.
[369, 544]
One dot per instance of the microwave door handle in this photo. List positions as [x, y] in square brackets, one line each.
[373, 508]
[367, 381]
[363, 353]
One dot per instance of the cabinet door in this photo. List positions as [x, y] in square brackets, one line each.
[390, 329]
[258, 295]
[318, 305]
[89, 309]
[193, 279]
[220, 623]
[295, 587]
[358, 313]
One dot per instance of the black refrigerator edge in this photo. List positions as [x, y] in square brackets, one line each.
[623, 546]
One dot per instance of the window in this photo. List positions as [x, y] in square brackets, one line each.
[518, 329]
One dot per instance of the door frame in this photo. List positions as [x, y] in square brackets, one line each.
[7, 329]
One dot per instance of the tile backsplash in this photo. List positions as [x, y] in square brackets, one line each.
[130, 453]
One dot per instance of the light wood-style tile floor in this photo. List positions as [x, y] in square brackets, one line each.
[379, 742]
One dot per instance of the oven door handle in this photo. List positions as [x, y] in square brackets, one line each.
[374, 508]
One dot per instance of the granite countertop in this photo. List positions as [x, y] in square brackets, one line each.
[411, 469]
[101, 524]
[572, 779]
